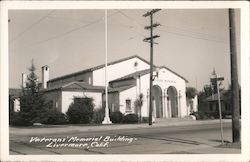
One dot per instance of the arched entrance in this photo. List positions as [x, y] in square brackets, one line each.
[172, 101]
[157, 101]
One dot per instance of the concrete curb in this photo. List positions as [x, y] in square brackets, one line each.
[84, 128]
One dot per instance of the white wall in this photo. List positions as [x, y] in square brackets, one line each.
[127, 94]
[165, 80]
[144, 81]
[68, 97]
[118, 70]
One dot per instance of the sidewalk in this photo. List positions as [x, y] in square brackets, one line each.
[47, 129]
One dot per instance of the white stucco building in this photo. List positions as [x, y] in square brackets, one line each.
[127, 78]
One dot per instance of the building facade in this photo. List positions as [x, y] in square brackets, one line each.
[127, 78]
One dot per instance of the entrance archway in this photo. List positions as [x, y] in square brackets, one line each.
[173, 101]
[157, 101]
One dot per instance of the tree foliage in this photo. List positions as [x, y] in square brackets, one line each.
[55, 117]
[205, 92]
[81, 110]
[130, 118]
[33, 104]
[116, 117]
[191, 92]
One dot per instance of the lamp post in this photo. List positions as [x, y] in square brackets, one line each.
[214, 79]
[153, 75]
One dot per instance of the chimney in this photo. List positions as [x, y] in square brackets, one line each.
[24, 80]
[45, 76]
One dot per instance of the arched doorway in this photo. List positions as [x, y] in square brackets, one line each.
[157, 101]
[172, 101]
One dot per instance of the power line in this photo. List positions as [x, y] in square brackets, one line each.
[67, 32]
[190, 36]
[176, 33]
[31, 26]
[190, 31]
[126, 26]
[55, 17]
[130, 18]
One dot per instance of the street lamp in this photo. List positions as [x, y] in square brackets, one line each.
[155, 74]
[214, 80]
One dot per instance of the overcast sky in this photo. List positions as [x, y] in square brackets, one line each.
[191, 43]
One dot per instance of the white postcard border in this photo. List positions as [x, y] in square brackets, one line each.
[8, 5]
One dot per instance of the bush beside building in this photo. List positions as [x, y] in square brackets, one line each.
[81, 111]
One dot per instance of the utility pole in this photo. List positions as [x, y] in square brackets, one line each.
[234, 79]
[151, 41]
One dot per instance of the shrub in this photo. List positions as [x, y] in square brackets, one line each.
[145, 119]
[130, 118]
[55, 117]
[200, 115]
[19, 119]
[81, 110]
[116, 117]
[214, 115]
[226, 115]
[98, 115]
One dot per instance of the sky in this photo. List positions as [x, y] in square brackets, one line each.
[192, 41]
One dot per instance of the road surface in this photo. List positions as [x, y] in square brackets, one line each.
[189, 139]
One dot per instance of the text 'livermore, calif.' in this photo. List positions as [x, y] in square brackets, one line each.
[80, 142]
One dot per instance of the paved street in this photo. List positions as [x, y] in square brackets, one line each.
[185, 139]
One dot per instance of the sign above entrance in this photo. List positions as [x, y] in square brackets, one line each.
[166, 81]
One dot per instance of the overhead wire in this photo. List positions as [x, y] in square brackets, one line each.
[130, 18]
[135, 31]
[190, 36]
[187, 31]
[31, 26]
[67, 32]
[177, 33]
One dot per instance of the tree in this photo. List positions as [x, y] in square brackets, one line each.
[191, 92]
[81, 110]
[206, 92]
[138, 104]
[228, 97]
[33, 104]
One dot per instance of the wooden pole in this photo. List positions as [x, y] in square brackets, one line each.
[234, 79]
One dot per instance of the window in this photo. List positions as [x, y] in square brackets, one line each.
[128, 105]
